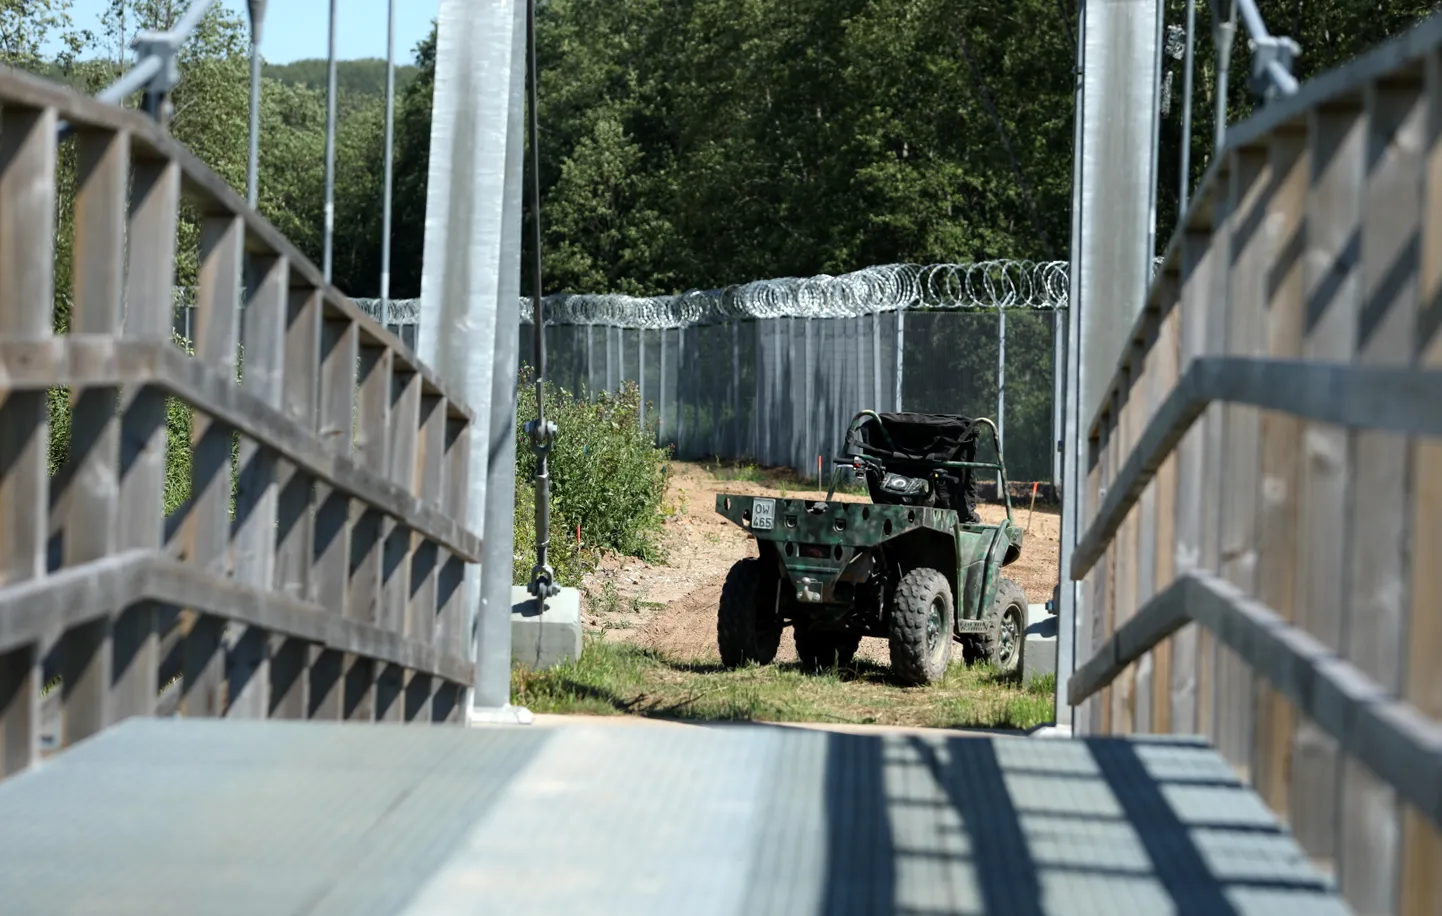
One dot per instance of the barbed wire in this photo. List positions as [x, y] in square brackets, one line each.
[981, 286]
[984, 285]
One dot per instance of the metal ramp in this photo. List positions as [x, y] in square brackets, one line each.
[160, 816]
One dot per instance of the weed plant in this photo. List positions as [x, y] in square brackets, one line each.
[608, 479]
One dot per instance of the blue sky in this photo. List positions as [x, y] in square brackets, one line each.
[297, 29]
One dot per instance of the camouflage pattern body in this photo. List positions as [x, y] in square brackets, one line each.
[830, 552]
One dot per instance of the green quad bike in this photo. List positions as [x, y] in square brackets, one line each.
[916, 565]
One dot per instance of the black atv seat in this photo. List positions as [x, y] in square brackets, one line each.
[913, 445]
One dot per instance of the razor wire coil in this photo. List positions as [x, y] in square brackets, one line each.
[983, 285]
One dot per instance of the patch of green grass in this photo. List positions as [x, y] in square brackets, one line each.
[746, 471]
[616, 678]
[784, 480]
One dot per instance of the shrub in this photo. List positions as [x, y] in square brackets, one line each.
[607, 476]
[569, 560]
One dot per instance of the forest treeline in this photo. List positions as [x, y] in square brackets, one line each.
[695, 143]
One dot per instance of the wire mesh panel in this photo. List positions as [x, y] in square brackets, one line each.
[773, 371]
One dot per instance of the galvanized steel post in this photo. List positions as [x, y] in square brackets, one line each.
[389, 164]
[900, 360]
[1187, 76]
[1111, 264]
[493, 659]
[330, 109]
[252, 167]
[1000, 389]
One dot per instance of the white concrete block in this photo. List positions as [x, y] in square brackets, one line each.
[545, 638]
[1039, 659]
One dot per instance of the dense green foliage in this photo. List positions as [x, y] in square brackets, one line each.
[355, 79]
[607, 479]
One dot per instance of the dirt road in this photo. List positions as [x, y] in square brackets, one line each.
[672, 606]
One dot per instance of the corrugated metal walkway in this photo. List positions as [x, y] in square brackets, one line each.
[272, 818]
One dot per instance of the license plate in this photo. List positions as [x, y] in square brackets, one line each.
[763, 514]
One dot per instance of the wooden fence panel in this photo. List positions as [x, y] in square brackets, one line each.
[1167, 369]
[284, 580]
[405, 409]
[1281, 445]
[208, 524]
[372, 432]
[1378, 536]
[262, 374]
[331, 566]
[1198, 263]
[27, 216]
[423, 593]
[1248, 253]
[97, 687]
[1302, 517]
[1332, 281]
[295, 532]
[1211, 330]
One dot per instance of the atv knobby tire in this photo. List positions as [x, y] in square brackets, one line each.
[922, 617]
[1005, 637]
[819, 650]
[747, 629]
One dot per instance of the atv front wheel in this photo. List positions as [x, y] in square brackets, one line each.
[922, 615]
[747, 629]
[822, 649]
[1006, 631]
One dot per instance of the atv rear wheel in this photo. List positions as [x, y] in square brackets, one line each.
[747, 628]
[922, 618]
[822, 649]
[1005, 636]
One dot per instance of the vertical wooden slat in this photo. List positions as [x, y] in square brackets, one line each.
[262, 375]
[1115, 564]
[207, 532]
[149, 314]
[1281, 443]
[1198, 263]
[1333, 292]
[1107, 597]
[1212, 325]
[1421, 879]
[330, 569]
[1375, 624]
[27, 253]
[1131, 418]
[454, 634]
[396, 568]
[454, 481]
[372, 450]
[1245, 335]
[1168, 359]
[300, 402]
[428, 483]
[291, 658]
[1151, 393]
[1088, 715]
[86, 509]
